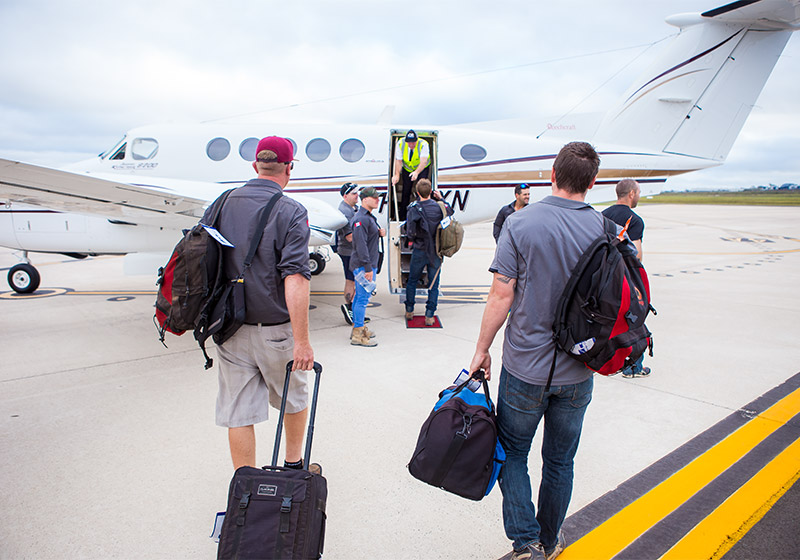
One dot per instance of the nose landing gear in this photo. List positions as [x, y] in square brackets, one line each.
[316, 262]
[23, 278]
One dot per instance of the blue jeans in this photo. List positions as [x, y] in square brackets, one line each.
[419, 260]
[364, 290]
[520, 407]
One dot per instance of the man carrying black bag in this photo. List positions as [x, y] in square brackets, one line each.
[275, 330]
[538, 248]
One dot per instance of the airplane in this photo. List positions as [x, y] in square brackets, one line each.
[682, 115]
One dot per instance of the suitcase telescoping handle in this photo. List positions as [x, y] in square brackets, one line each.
[312, 414]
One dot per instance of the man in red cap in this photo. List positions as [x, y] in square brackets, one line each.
[252, 362]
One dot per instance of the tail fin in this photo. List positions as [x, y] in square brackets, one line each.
[696, 96]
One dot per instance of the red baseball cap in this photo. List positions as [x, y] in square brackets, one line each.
[282, 148]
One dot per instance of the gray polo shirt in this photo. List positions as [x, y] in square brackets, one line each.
[343, 246]
[539, 246]
[283, 250]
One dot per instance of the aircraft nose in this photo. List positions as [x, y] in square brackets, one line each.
[321, 214]
[328, 218]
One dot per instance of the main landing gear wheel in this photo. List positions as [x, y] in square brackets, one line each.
[23, 278]
[317, 263]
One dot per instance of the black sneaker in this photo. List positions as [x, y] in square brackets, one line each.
[348, 315]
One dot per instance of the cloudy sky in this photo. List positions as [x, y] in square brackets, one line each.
[74, 76]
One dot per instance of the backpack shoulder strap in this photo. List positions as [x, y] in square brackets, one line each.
[443, 207]
[262, 223]
[611, 227]
[216, 207]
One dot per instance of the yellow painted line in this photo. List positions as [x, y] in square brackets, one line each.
[717, 533]
[614, 535]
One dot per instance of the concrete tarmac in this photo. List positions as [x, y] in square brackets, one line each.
[109, 448]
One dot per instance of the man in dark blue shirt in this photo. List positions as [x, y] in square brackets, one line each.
[522, 195]
[628, 192]
[421, 223]
[252, 362]
[364, 263]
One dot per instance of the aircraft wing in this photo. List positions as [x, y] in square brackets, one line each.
[163, 202]
[164, 205]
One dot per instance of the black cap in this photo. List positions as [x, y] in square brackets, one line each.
[347, 188]
[411, 136]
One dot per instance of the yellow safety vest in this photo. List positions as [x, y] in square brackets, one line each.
[411, 164]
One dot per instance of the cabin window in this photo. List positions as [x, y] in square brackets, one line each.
[218, 149]
[472, 152]
[247, 149]
[318, 149]
[144, 148]
[294, 147]
[352, 150]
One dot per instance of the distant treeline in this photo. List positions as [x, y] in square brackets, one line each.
[744, 198]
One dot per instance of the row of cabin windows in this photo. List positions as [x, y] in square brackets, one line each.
[318, 149]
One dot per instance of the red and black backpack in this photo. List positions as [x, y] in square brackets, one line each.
[600, 315]
[188, 281]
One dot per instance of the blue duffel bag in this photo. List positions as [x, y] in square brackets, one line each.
[458, 449]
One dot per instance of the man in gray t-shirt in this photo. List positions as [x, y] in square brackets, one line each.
[344, 246]
[538, 247]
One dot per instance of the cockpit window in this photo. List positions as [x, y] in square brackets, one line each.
[113, 149]
[144, 148]
[117, 152]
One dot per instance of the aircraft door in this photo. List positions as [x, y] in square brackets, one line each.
[398, 253]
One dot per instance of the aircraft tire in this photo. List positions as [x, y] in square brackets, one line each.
[23, 278]
[317, 263]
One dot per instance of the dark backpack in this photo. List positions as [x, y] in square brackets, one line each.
[190, 278]
[193, 292]
[449, 239]
[600, 315]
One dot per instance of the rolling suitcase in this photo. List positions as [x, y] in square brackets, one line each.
[274, 512]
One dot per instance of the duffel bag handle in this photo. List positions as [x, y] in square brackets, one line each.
[478, 375]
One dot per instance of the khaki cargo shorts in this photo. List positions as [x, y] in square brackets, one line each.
[252, 370]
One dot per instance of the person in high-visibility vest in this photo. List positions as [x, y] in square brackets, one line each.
[412, 162]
